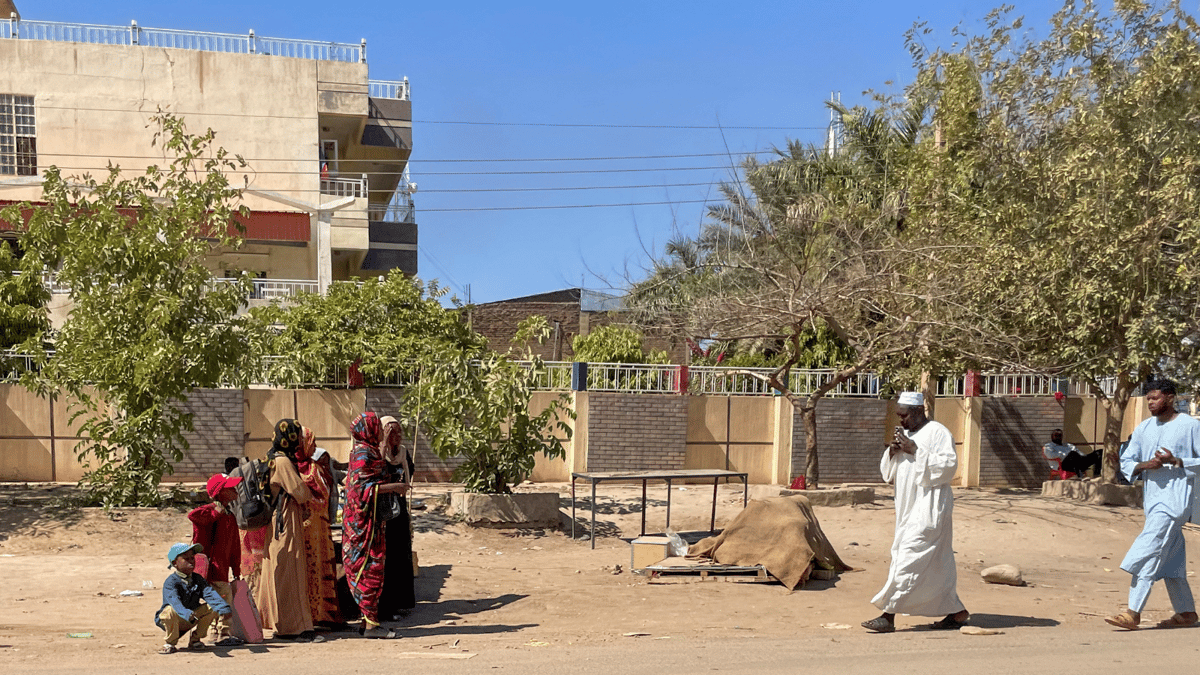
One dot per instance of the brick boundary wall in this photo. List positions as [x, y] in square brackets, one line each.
[636, 432]
[1012, 433]
[429, 467]
[218, 416]
[498, 323]
[850, 440]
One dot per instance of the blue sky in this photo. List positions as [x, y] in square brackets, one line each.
[512, 67]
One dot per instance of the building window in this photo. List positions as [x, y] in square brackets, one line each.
[18, 137]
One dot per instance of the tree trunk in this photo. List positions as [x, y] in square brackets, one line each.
[929, 390]
[812, 473]
[1114, 418]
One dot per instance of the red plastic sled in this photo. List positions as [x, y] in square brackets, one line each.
[247, 623]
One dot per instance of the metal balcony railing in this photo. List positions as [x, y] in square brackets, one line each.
[388, 89]
[135, 35]
[272, 289]
[339, 186]
[394, 213]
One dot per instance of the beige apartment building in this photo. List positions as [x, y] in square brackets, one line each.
[327, 147]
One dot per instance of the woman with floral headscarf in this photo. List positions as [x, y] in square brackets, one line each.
[283, 585]
[364, 537]
[318, 542]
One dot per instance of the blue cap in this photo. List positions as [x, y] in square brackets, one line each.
[179, 549]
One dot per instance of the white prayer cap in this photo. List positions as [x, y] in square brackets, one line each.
[911, 398]
[318, 454]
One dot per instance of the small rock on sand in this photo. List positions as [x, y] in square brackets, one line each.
[1003, 574]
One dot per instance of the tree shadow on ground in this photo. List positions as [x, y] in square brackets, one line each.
[527, 533]
[431, 520]
[583, 525]
[28, 509]
[608, 507]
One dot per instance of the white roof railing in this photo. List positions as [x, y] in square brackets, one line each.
[135, 35]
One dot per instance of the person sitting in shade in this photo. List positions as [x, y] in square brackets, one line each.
[1068, 458]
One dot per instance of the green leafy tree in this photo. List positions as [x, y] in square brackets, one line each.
[23, 298]
[147, 324]
[614, 344]
[386, 327]
[468, 402]
[812, 256]
[1066, 187]
[480, 410]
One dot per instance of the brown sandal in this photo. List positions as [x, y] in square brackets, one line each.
[1124, 621]
[879, 624]
[1176, 621]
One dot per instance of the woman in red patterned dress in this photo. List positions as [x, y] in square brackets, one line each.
[364, 540]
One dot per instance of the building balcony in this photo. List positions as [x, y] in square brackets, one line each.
[344, 186]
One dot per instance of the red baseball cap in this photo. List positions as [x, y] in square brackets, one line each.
[220, 482]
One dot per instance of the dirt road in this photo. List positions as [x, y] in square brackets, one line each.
[535, 602]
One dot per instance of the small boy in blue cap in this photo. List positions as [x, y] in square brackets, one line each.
[182, 609]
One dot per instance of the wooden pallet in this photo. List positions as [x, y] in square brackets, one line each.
[689, 570]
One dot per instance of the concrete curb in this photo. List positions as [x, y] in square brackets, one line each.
[517, 510]
[1094, 492]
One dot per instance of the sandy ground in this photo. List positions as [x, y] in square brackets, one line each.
[524, 600]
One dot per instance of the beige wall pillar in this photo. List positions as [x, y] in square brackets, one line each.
[781, 447]
[968, 459]
[577, 457]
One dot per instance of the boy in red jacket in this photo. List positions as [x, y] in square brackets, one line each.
[215, 528]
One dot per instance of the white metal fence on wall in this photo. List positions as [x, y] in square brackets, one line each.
[634, 378]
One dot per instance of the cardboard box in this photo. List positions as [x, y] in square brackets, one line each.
[646, 551]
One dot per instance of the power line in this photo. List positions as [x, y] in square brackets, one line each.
[567, 189]
[480, 160]
[355, 174]
[620, 126]
[438, 264]
[564, 206]
[579, 125]
[598, 159]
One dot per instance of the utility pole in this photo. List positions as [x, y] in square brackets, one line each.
[833, 135]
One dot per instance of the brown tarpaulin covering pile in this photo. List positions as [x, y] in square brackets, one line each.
[781, 534]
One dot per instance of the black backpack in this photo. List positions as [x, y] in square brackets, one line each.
[253, 505]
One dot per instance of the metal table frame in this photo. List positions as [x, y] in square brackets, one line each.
[646, 476]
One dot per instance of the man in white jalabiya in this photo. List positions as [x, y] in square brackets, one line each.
[1158, 452]
[922, 579]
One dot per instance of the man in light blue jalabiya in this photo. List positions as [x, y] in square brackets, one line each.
[1158, 452]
